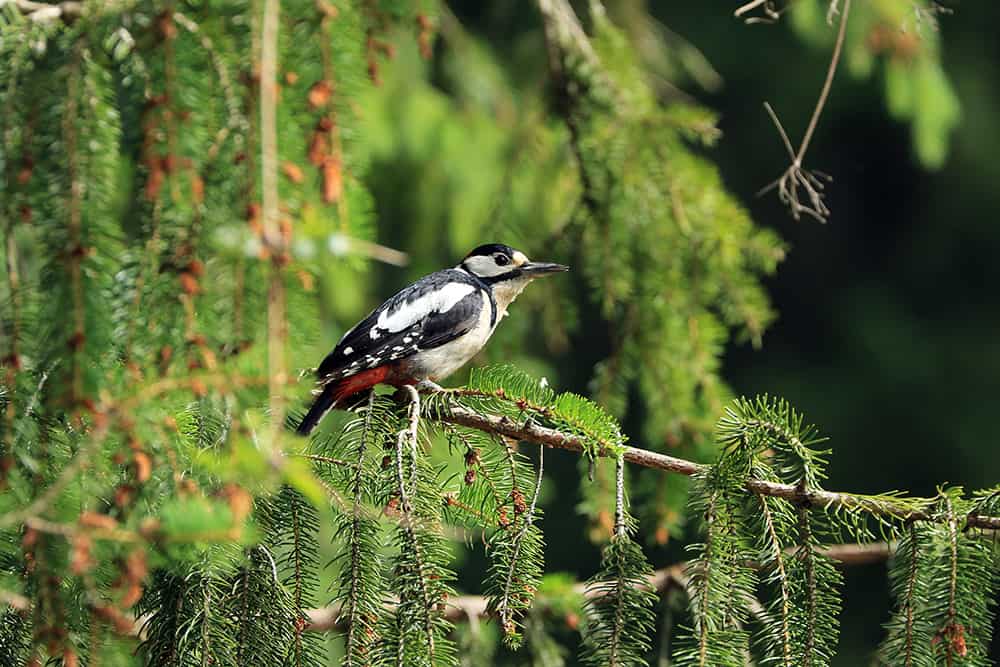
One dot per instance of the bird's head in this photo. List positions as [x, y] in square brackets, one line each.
[495, 263]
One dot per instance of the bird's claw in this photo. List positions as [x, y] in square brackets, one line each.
[429, 387]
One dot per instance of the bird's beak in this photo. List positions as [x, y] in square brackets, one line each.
[535, 269]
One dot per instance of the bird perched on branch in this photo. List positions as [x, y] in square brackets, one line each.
[426, 331]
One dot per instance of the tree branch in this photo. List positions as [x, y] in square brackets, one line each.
[465, 607]
[528, 431]
[67, 11]
[563, 29]
[44, 11]
[274, 239]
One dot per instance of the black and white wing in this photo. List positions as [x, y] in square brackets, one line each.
[431, 312]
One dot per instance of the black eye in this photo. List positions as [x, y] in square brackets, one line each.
[501, 260]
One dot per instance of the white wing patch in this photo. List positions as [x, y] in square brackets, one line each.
[440, 300]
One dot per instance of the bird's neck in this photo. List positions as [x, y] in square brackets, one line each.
[505, 291]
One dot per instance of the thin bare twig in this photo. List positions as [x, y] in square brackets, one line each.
[274, 240]
[326, 459]
[341, 244]
[798, 188]
[770, 10]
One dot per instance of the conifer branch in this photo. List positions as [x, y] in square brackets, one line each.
[707, 574]
[782, 577]
[619, 496]
[562, 28]
[619, 598]
[473, 456]
[465, 607]
[297, 579]
[12, 359]
[952, 578]
[75, 252]
[235, 119]
[103, 421]
[528, 431]
[808, 556]
[243, 584]
[504, 605]
[353, 645]
[909, 600]
[407, 522]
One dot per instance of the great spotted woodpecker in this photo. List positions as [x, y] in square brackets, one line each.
[426, 331]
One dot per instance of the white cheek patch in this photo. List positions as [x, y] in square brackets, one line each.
[440, 301]
[484, 266]
[519, 258]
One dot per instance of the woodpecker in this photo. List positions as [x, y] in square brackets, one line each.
[428, 330]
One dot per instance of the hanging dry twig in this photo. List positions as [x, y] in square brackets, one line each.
[768, 7]
[798, 188]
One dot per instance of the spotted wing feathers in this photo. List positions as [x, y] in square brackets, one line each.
[425, 315]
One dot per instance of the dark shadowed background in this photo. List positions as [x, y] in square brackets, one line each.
[888, 320]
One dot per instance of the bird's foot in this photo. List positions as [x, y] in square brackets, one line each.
[429, 387]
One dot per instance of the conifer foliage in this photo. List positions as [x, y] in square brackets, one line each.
[183, 186]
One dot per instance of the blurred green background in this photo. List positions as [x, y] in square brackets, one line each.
[881, 325]
[889, 315]
[887, 329]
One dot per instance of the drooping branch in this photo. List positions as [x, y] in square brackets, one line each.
[528, 431]
[274, 240]
[464, 607]
[108, 414]
[409, 435]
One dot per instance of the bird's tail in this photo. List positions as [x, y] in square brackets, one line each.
[323, 404]
[341, 392]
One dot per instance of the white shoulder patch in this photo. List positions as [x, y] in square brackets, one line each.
[441, 300]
